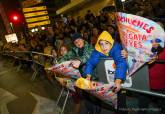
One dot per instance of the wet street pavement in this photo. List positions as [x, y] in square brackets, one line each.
[20, 95]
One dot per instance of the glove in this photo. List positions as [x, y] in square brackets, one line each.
[124, 54]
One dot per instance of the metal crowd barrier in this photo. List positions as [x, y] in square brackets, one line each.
[44, 60]
[37, 59]
[21, 55]
[18, 55]
[139, 84]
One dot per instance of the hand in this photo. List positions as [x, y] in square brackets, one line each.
[153, 59]
[116, 88]
[35, 57]
[62, 81]
[75, 63]
[88, 77]
[124, 53]
[48, 68]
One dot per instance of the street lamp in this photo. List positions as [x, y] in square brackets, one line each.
[15, 18]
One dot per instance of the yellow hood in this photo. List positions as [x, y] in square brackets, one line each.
[104, 36]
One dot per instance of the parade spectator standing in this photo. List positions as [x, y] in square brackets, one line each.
[78, 56]
[86, 36]
[50, 36]
[156, 79]
[63, 50]
[80, 53]
[111, 29]
[156, 83]
[89, 16]
[106, 47]
[95, 34]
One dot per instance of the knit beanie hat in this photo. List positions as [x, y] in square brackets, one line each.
[76, 36]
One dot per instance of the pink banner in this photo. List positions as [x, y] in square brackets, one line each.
[138, 35]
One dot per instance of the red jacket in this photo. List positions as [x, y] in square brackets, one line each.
[157, 73]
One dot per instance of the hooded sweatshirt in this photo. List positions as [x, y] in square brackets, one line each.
[114, 53]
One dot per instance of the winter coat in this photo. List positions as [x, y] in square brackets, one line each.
[74, 55]
[115, 53]
[156, 73]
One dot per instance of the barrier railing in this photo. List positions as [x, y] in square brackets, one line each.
[140, 83]
[41, 59]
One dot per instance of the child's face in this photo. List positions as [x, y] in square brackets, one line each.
[95, 31]
[63, 51]
[155, 44]
[79, 43]
[105, 46]
[54, 53]
[111, 30]
[85, 35]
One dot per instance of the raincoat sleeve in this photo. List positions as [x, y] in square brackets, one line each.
[91, 63]
[121, 64]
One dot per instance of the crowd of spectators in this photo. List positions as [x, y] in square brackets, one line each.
[56, 40]
[90, 26]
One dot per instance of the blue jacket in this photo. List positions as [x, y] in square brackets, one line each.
[115, 53]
